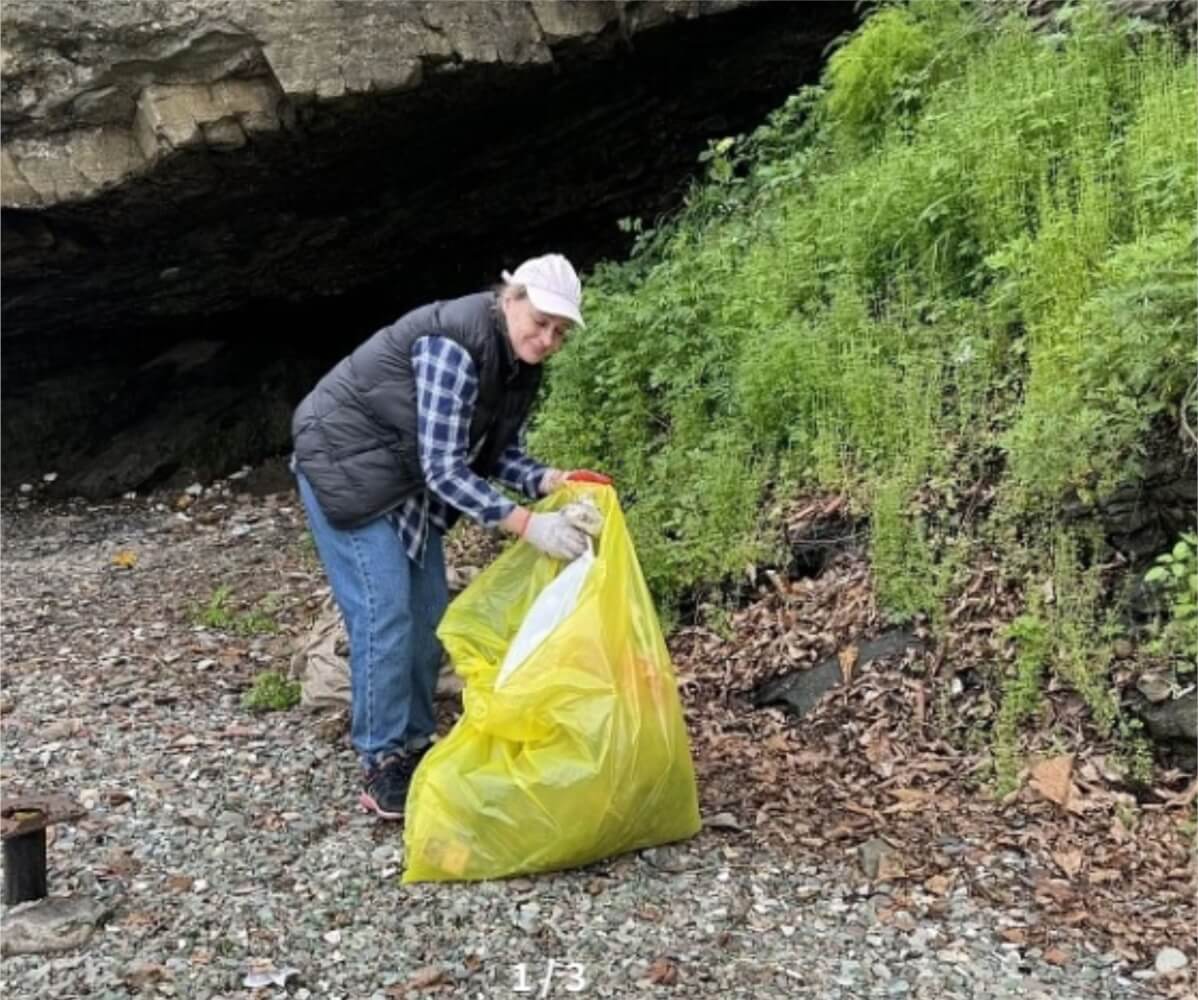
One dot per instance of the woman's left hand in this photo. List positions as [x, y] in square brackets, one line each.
[555, 479]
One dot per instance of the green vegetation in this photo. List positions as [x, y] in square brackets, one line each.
[969, 254]
[308, 555]
[218, 613]
[1175, 575]
[1020, 697]
[272, 692]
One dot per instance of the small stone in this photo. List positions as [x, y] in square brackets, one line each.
[953, 955]
[56, 923]
[878, 859]
[62, 729]
[952, 846]
[1155, 687]
[722, 821]
[1170, 960]
[923, 936]
[528, 918]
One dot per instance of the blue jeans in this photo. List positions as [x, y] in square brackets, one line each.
[391, 606]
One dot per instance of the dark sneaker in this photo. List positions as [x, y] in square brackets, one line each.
[386, 789]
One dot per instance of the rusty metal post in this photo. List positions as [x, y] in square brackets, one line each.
[23, 823]
[25, 867]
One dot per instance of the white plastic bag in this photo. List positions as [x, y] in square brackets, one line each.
[552, 606]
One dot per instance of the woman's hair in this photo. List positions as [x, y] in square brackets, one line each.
[503, 290]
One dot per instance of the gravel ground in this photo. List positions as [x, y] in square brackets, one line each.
[225, 843]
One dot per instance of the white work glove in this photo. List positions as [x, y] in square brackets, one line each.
[554, 535]
[583, 514]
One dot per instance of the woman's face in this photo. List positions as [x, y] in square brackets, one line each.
[535, 335]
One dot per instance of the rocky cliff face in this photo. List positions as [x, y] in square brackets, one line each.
[96, 92]
[206, 202]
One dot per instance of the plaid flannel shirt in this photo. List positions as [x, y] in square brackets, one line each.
[446, 391]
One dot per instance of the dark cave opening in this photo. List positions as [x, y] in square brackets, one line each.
[167, 327]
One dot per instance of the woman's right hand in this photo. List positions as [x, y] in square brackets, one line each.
[555, 536]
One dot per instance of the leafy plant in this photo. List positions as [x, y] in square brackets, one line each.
[883, 74]
[1020, 697]
[307, 550]
[272, 692]
[218, 613]
[902, 562]
[1175, 575]
[259, 621]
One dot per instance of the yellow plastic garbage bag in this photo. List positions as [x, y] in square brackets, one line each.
[582, 752]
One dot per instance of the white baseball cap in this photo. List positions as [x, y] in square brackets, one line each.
[552, 284]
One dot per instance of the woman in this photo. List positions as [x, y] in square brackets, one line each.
[392, 445]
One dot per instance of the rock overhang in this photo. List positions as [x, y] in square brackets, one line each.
[275, 191]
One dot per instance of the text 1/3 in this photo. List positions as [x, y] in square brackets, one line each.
[570, 975]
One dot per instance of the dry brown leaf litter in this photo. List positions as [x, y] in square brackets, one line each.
[873, 760]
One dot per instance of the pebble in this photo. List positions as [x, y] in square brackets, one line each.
[952, 955]
[1170, 960]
